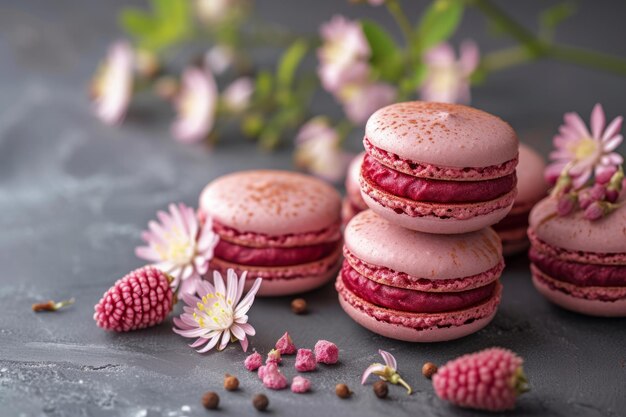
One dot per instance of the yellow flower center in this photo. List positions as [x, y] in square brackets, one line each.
[178, 249]
[216, 310]
[584, 148]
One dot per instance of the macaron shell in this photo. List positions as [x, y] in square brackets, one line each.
[434, 333]
[531, 184]
[580, 305]
[378, 241]
[437, 225]
[442, 134]
[353, 189]
[574, 233]
[281, 287]
[272, 202]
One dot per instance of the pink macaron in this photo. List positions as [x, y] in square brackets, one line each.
[579, 264]
[415, 286]
[439, 168]
[531, 187]
[353, 202]
[284, 227]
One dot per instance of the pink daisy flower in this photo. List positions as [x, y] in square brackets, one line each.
[196, 105]
[584, 152]
[448, 79]
[218, 314]
[179, 246]
[112, 86]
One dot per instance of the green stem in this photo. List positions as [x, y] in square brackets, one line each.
[592, 59]
[504, 58]
[394, 8]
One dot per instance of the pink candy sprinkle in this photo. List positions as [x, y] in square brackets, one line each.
[285, 345]
[273, 378]
[254, 361]
[326, 352]
[300, 384]
[273, 357]
[305, 360]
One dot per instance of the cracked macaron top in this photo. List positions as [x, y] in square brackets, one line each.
[575, 233]
[377, 241]
[273, 203]
[421, 138]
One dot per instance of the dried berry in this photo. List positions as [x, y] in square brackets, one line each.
[210, 400]
[342, 391]
[260, 402]
[429, 369]
[298, 306]
[231, 383]
[380, 389]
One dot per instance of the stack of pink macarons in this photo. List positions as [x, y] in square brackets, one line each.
[423, 264]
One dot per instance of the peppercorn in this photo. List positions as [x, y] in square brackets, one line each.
[231, 383]
[381, 389]
[342, 391]
[429, 369]
[298, 306]
[210, 400]
[260, 402]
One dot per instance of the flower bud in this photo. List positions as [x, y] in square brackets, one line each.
[597, 210]
[566, 204]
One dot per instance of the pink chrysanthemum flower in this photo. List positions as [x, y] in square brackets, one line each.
[196, 105]
[448, 79]
[112, 86]
[179, 246]
[387, 372]
[361, 100]
[584, 152]
[218, 312]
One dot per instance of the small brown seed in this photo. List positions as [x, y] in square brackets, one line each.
[429, 369]
[231, 383]
[342, 391]
[298, 306]
[260, 402]
[210, 400]
[381, 389]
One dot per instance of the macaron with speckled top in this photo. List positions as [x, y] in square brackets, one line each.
[439, 168]
[415, 286]
[531, 188]
[353, 202]
[579, 264]
[281, 226]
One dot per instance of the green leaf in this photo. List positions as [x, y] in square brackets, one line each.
[264, 85]
[137, 23]
[557, 14]
[439, 22]
[386, 58]
[289, 63]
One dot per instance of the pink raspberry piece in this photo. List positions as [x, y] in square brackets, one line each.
[305, 360]
[253, 361]
[326, 352]
[285, 345]
[300, 384]
[273, 356]
[273, 378]
[264, 369]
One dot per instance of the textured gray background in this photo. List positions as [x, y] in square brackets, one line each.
[74, 196]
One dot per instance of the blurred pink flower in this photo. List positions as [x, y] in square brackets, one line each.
[448, 79]
[179, 246]
[237, 95]
[361, 100]
[112, 86]
[318, 150]
[376, 2]
[212, 11]
[344, 53]
[218, 313]
[581, 151]
[219, 58]
[196, 105]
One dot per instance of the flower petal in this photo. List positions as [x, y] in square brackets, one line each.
[225, 340]
[212, 342]
[244, 344]
[613, 128]
[613, 143]
[390, 361]
[247, 301]
[375, 367]
[574, 120]
[598, 121]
